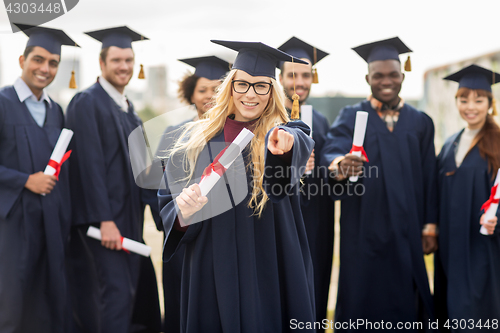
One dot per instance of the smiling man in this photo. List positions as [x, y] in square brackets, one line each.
[389, 222]
[107, 281]
[316, 205]
[34, 207]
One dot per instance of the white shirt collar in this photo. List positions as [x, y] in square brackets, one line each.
[24, 92]
[118, 97]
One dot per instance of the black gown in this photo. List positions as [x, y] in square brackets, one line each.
[113, 290]
[33, 228]
[467, 281]
[382, 270]
[241, 273]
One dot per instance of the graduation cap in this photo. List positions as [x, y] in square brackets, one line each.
[476, 77]
[121, 37]
[259, 59]
[49, 39]
[301, 49]
[384, 50]
[211, 67]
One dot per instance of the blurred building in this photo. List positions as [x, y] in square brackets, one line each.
[439, 95]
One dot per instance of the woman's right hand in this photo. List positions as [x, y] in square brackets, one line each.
[190, 201]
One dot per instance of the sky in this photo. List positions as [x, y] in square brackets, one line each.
[438, 31]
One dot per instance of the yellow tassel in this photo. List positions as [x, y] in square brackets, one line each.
[494, 111]
[141, 73]
[72, 81]
[408, 64]
[315, 76]
[295, 114]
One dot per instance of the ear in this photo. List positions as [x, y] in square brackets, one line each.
[281, 79]
[403, 77]
[367, 78]
[101, 64]
[21, 61]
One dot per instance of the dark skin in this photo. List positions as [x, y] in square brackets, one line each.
[385, 79]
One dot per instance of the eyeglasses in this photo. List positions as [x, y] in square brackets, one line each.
[260, 88]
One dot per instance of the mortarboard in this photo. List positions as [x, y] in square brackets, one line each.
[121, 37]
[49, 39]
[259, 59]
[301, 49]
[384, 50]
[211, 67]
[474, 77]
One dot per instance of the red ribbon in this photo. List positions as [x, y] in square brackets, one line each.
[57, 166]
[361, 149]
[124, 249]
[215, 166]
[491, 200]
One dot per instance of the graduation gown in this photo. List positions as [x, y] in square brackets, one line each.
[318, 213]
[467, 263]
[33, 228]
[241, 273]
[103, 189]
[382, 267]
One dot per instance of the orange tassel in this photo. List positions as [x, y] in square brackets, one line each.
[72, 81]
[141, 73]
[315, 76]
[295, 114]
[408, 64]
[494, 111]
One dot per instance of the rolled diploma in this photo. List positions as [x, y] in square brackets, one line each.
[359, 135]
[127, 244]
[306, 115]
[492, 210]
[231, 153]
[59, 150]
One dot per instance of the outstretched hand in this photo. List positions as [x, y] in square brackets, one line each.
[279, 142]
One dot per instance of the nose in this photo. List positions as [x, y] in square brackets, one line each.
[44, 68]
[251, 92]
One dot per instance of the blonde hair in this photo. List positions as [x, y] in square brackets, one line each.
[195, 135]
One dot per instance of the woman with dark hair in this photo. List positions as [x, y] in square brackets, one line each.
[246, 266]
[467, 278]
[199, 87]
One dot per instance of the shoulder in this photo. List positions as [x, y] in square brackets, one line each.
[7, 92]
[319, 117]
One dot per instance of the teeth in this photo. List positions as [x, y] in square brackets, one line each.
[41, 77]
[249, 104]
[386, 90]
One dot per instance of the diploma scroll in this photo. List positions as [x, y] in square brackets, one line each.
[359, 137]
[491, 206]
[223, 161]
[306, 115]
[127, 244]
[59, 152]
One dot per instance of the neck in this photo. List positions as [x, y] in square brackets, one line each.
[288, 103]
[120, 89]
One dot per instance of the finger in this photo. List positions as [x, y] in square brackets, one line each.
[190, 196]
[186, 202]
[196, 188]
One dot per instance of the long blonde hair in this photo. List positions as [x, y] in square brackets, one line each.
[196, 135]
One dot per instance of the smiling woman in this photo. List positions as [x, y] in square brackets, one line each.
[246, 266]
[468, 263]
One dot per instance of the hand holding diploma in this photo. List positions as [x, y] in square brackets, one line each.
[125, 243]
[190, 201]
[488, 220]
[358, 138]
